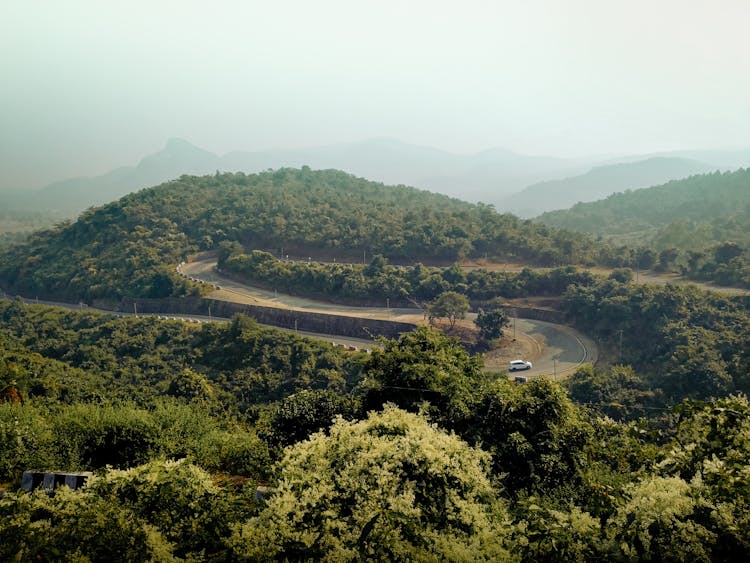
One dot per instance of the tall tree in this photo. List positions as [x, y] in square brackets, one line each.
[450, 305]
[491, 323]
[424, 367]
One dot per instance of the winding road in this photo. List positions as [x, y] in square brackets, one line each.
[555, 350]
[558, 349]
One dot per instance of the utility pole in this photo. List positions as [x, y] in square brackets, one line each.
[135, 309]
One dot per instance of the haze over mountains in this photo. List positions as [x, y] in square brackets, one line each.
[602, 181]
[488, 175]
[523, 184]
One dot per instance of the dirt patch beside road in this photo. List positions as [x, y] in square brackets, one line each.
[509, 348]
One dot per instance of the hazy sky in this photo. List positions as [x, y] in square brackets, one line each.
[89, 85]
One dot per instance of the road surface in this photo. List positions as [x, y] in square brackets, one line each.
[555, 350]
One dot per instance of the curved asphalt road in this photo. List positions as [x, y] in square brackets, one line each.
[561, 349]
[557, 349]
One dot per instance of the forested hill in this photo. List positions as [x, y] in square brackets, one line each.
[720, 200]
[130, 247]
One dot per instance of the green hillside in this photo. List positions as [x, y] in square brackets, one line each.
[130, 247]
[700, 226]
[182, 421]
[702, 199]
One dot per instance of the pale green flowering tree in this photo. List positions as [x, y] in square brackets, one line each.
[711, 449]
[178, 498]
[547, 534]
[392, 487]
[659, 521]
[75, 526]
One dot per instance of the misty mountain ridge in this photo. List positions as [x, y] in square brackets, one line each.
[602, 181]
[486, 176]
[178, 152]
[725, 159]
[71, 196]
[493, 175]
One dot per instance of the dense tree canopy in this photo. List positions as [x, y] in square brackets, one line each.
[702, 199]
[683, 342]
[699, 226]
[74, 356]
[424, 370]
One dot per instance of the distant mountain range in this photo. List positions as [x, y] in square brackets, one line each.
[485, 176]
[493, 176]
[600, 182]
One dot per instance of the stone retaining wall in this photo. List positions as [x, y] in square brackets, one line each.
[307, 321]
[547, 315]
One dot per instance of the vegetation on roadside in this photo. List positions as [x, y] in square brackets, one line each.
[380, 283]
[683, 342]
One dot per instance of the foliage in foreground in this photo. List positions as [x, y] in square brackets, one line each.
[89, 437]
[480, 467]
[395, 486]
[161, 511]
[391, 487]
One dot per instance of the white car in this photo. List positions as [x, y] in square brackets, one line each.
[516, 365]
